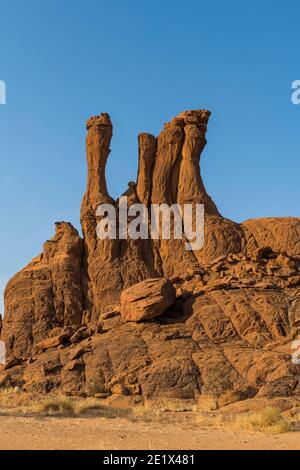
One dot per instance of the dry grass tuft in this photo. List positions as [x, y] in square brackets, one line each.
[17, 401]
[87, 405]
[208, 419]
[13, 398]
[268, 420]
[59, 405]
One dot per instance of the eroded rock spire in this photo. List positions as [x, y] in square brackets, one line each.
[147, 153]
[98, 139]
[190, 185]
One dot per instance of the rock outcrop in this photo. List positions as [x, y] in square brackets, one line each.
[147, 317]
[47, 294]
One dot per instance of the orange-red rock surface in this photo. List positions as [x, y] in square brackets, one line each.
[147, 317]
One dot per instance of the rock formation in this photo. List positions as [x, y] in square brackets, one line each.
[148, 318]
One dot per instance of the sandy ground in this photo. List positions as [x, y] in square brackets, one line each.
[42, 432]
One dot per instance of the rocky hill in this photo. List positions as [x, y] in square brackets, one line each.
[148, 318]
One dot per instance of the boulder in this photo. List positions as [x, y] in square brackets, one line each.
[51, 342]
[147, 299]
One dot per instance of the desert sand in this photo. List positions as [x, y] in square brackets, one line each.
[40, 432]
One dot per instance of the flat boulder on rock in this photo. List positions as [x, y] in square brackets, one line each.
[147, 299]
[52, 342]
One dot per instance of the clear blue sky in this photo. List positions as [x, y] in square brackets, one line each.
[143, 62]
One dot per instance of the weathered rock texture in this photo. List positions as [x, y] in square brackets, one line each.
[218, 321]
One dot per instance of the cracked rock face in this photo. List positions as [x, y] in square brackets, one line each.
[147, 318]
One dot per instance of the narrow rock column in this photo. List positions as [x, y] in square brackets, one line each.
[169, 144]
[98, 139]
[147, 149]
[176, 261]
[190, 187]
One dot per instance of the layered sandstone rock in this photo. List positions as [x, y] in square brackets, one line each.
[228, 332]
[46, 294]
